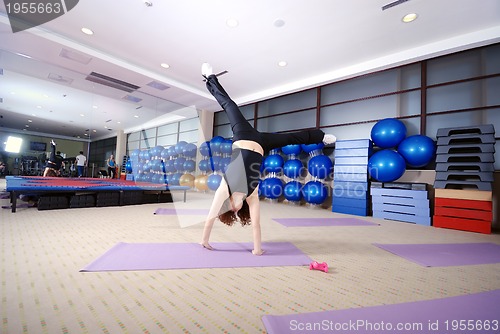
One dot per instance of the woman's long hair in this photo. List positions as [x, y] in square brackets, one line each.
[229, 217]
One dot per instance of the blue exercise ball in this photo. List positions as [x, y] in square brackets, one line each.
[226, 147]
[223, 163]
[135, 153]
[165, 154]
[145, 155]
[214, 163]
[179, 147]
[386, 165]
[272, 187]
[215, 144]
[315, 192]
[203, 165]
[170, 166]
[189, 150]
[291, 149]
[171, 151]
[179, 163]
[293, 191]
[320, 166]
[417, 150]
[128, 166]
[175, 179]
[273, 163]
[312, 148]
[213, 181]
[189, 166]
[156, 152]
[205, 149]
[293, 168]
[388, 133]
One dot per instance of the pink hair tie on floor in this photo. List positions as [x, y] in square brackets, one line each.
[318, 266]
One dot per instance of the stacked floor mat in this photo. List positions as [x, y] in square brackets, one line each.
[464, 177]
[406, 202]
[350, 193]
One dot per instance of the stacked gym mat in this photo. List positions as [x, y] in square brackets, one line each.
[464, 176]
[350, 193]
[406, 202]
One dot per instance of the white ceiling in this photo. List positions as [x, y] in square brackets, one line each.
[322, 41]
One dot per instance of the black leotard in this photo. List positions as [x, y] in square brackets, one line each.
[247, 160]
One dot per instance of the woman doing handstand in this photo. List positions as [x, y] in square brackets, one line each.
[54, 164]
[237, 194]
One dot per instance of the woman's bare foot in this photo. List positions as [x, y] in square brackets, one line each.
[206, 245]
[259, 252]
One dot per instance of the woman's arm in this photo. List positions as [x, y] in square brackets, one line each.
[254, 205]
[221, 194]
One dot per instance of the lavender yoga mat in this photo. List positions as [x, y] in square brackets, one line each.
[445, 255]
[446, 315]
[308, 222]
[159, 256]
[173, 211]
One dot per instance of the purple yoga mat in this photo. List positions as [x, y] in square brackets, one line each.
[478, 311]
[160, 256]
[308, 222]
[173, 211]
[445, 255]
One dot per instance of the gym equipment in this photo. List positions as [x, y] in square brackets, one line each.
[417, 150]
[319, 266]
[388, 133]
[386, 165]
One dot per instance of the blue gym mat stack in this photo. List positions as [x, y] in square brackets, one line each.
[350, 193]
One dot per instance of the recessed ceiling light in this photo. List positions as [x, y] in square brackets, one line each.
[95, 107]
[136, 116]
[30, 121]
[39, 107]
[165, 65]
[87, 31]
[82, 115]
[279, 23]
[409, 17]
[232, 22]
[282, 63]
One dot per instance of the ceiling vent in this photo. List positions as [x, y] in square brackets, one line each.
[1, 99]
[131, 98]
[111, 82]
[75, 56]
[1, 71]
[60, 79]
[393, 4]
[158, 85]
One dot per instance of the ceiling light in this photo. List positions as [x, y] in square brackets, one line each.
[39, 107]
[82, 115]
[136, 116]
[165, 65]
[30, 121]
[95, 107]
[87, 31]
[282, 63]
[232, 22]
[279, 23]
[409, 17]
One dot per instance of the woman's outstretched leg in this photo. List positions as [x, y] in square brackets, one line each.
[233, 112]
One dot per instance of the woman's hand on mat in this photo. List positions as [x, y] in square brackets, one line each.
[257, 252]
[206, 245]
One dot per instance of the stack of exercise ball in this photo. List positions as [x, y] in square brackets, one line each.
[293, 169]
[155, 166]
[189, 166]
[271, 186]
[200, 181]
[214, 179]
[397, 151]
[320, 167]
